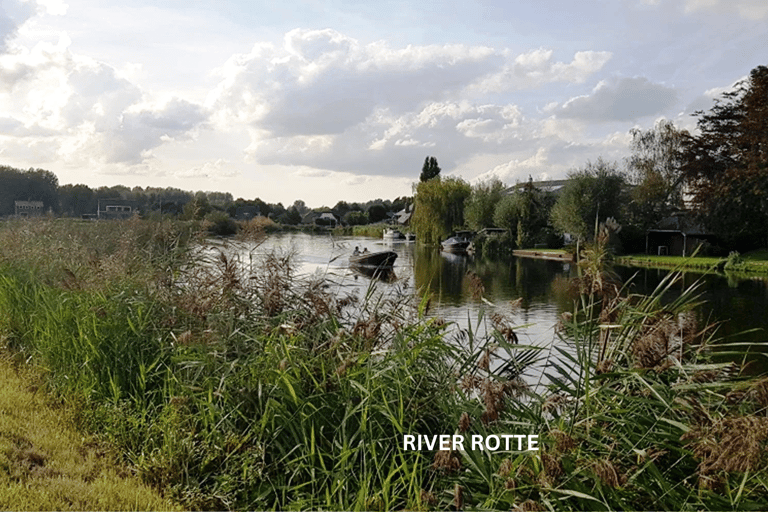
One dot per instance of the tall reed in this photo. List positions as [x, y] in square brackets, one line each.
[240, 385]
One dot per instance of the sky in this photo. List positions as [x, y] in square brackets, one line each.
[328, 100]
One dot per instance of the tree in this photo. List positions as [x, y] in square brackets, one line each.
[30, 185]
[654, 168]
[377, 213]
[430, 169]
[481, 204]
[525, 213]
[592, 193]
[439, 208]
[726, 165]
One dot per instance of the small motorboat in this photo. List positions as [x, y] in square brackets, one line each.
[455, 244]
[376, 264]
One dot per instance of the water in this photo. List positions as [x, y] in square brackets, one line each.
[531, 294]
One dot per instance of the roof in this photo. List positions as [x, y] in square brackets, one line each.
[679, 223]
[546, 186]
[36, 204]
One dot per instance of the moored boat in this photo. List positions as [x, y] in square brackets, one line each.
[458, 243]
[393, 234]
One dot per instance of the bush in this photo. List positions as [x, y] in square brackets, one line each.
[220, 224]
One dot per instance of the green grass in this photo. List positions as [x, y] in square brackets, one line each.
[752, 262]
[47, 464]
[243, 386]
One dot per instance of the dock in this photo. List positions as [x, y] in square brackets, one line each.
[544, 255]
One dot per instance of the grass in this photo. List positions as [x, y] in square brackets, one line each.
[47, 464]
[239, 385]
[751, 262]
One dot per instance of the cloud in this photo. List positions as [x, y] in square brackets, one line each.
[537, 67]
[320, 82]
[753, 10]
[220, 168]
[626, 99]
[13, 14]
[84, 110]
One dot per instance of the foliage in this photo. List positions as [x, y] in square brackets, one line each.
[377, 213]
[356, 218]
[29, 185]
[481, 204]
[430, 169]
[726, 167]
[592, 193]
[439, 208]
[525, 213]
[654, 170]
[220, 224]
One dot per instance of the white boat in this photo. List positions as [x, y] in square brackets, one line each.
[457, 243]
[393, 234]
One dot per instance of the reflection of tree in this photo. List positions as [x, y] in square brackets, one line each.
[440, 274]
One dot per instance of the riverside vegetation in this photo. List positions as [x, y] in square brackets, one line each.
[234, 385]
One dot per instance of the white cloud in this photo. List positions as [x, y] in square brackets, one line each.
[538, 67]
[320, 82]
[753, 10]
[625, 99]
[84, 110]
[218, 169]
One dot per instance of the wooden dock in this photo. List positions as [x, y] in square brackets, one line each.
[544, 255]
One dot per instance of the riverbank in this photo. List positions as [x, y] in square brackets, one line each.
[755, 262]
[234, 386]
[46, 463]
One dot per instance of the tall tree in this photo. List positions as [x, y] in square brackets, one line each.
[654, 168]
[439, 208]
[726, 165]
[594, 192]
[430, 169]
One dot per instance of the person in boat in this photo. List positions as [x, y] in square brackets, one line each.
[357, 251]
[365, 251]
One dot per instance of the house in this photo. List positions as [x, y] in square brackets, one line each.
[403, 217]
[116, 209]
[28, 208]
[676, 235]
[327, 219]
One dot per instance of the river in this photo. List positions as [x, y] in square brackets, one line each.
[529, 292]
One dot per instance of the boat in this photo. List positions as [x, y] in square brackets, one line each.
[392, 234]
[410, 237]
[456, 244]
[373, 264]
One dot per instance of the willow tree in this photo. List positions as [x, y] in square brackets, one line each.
[439, 207]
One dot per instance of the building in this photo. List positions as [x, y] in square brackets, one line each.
[28, 208]
[676, 235]
[116, 209]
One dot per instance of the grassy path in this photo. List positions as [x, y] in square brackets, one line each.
[45, 464]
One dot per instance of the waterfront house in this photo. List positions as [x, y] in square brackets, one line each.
[676, 235]
[28, 208]
[116, 209]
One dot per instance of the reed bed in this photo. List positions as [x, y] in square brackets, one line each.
[246, 386]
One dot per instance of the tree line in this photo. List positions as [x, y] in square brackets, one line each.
[78, 200]
[717, 177]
